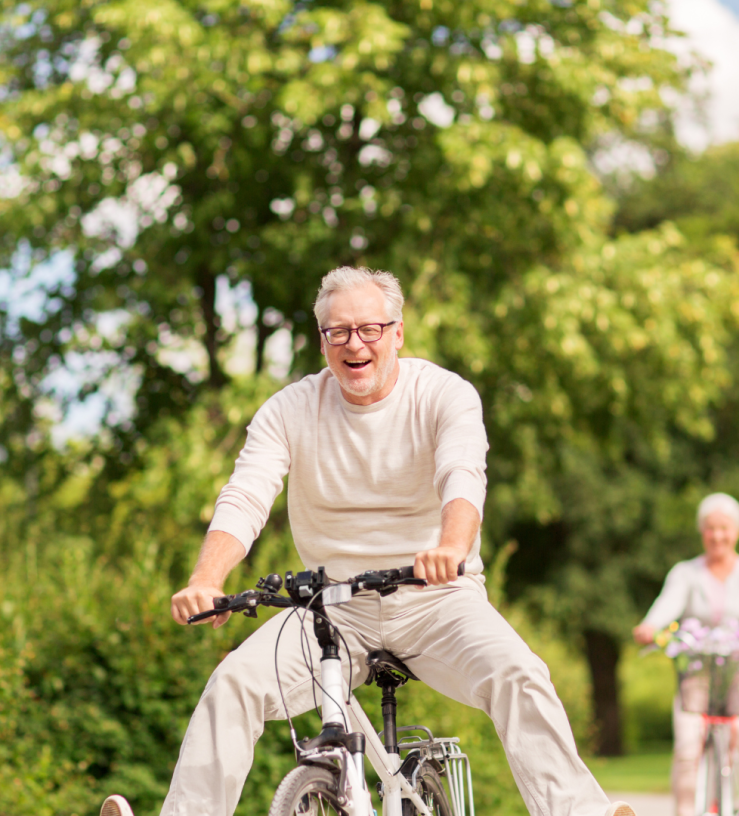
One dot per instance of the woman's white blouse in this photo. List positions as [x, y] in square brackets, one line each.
[692, 591]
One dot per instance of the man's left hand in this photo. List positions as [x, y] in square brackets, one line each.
[460, 522]
[438, 566]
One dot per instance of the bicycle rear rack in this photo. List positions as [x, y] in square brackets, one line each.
[445, 750]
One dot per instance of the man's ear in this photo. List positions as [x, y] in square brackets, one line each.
[399, 336]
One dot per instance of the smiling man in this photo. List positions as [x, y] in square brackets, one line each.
[387, 468]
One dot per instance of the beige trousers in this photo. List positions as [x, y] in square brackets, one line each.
[450, 636]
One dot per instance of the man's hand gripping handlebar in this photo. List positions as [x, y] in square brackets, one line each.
[311, 589]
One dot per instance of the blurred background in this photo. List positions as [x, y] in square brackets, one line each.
[555, 183]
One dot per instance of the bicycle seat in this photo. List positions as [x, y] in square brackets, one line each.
[380, 660]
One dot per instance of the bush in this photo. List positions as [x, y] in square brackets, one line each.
[33, 780]
[109, 679]
[648, 685]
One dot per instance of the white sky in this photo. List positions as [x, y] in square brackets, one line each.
[712, 29]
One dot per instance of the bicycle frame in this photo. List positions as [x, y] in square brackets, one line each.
[335, 710]
[347, 735]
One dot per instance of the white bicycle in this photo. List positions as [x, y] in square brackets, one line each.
[330, 773]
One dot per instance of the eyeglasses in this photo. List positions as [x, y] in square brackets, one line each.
[369, 333]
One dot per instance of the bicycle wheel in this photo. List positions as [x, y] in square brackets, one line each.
[431, 790]
[708, 788]
[306, 791]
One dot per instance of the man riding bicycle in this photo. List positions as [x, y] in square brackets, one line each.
[386, 458]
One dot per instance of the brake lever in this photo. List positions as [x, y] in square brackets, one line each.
[211, 613]
[246, 602]
[227, 603]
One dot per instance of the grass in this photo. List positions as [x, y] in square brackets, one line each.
[637, 773]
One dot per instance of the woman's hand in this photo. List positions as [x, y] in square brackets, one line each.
[644, 634]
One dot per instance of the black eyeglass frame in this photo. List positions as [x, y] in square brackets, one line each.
[382, 326]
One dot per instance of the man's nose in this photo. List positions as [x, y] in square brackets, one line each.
[355, 342]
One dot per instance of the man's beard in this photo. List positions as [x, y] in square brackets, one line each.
[363, 388]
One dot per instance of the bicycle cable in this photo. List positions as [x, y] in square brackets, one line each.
[309, 665]
[343, 640]
[308, 659]
[293, 734]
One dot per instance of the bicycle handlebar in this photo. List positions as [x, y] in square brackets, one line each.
[306, 588]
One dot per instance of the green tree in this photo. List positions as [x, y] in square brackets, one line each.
[268, 142]
[193, 148]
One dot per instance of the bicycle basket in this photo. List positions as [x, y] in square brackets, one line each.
[709, 683]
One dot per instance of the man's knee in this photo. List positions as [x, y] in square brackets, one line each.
[241, 684]
[521, 675]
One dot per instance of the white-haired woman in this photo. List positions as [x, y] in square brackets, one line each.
[706, 588]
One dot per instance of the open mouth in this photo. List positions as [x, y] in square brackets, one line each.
[357, 364]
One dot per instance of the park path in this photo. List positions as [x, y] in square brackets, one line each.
[646, 804]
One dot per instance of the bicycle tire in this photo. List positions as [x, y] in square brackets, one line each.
[307, 791]
[431, 790]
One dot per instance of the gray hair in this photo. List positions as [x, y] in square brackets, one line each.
[718, 502]
[347, 277]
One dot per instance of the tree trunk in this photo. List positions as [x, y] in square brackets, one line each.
[603, 652]
[263, 334]
[207, 283]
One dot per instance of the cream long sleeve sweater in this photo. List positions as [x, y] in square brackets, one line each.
[367, 483]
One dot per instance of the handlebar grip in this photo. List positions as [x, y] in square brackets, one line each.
[407, 572]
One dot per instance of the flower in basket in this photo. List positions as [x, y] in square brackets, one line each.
[693, 637]
[707, 662]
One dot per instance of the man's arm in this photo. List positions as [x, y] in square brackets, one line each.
[220, 553]
[241, 511]
[460, 522]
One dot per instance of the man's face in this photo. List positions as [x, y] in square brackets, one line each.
[366, 372]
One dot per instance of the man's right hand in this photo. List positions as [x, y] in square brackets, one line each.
[220, 553]
[194, 599]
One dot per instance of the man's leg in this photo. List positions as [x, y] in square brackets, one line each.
[458, 644]
[240, 696]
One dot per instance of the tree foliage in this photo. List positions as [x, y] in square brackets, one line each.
[268, 142]
[177, 164]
